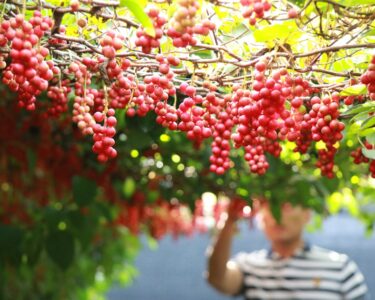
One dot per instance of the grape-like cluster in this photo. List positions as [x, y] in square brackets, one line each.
[160, 218]
[369, 78]
[255, 9]
[121, 91]
[83, 100]
[103, 135]
[219, 159]
[183, 24]
[111, 43]
[359, 158]
[147, 42]
[192, 115]
[262, 117]
[154, 92]
[326, 127]
[28, 72]
[59, 98]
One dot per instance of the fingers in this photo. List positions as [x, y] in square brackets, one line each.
[235, 208]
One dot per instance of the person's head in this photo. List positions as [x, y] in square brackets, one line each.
[291, 225]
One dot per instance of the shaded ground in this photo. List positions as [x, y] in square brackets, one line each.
[174, 270]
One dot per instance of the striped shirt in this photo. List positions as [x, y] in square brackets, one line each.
[313, 273]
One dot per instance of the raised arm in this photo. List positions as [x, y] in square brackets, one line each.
[223, 274]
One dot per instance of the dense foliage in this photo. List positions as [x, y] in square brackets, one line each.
[116, 116]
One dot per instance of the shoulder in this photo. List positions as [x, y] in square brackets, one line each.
[317, 253]
[333, 260]
[245, 260]
[251, 256]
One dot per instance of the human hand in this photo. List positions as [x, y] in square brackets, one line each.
[235, 209]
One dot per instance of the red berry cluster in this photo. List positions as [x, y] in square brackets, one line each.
[256, 159]
[103, 135]
[99, 99]
[147, 42]
[191, 115]
[111, 43]
[113, 69]
[262, 117]
[59, 98]
[326, 127]
[349, 100]
[246, 113]
[158, 88]
[83, 100]
[121, 91]
[326, 160]
[184, 16]
[29, 72]
[360, 158]
[183, 24]
[154, 93]
[159, 218]
[204, 28]
[369, 78]
[165, 63]
[255, 9]
[219, 159]
[304, 138]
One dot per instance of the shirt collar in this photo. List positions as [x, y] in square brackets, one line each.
[274, 255]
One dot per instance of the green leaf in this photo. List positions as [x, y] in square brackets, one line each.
[354, 2]
[84, 190]
[298, 2]
[287, 30]
[371, 139]
[60, 248]
[128, 188]
[152, 196]
[367, 132]
[203, 54]
[369, 122]
[365, 107]
[354, 90]
[342, 65]
[31, 159]
[139, 13]
[10, 241]
[34, 245]
[152, 242]
[368, 153]
[370, 32]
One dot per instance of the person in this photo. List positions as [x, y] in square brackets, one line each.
[290, 269]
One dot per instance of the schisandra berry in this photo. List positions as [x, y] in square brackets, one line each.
[103, 135]
[255, 9]
[359, 158]
[111, 43]
[29, 72]
[292, 13]
[184, 24]
[147, 42]
[368, 78]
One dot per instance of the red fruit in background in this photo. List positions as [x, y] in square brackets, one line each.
[292, 13]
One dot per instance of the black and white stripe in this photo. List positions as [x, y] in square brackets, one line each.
[312, 274]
